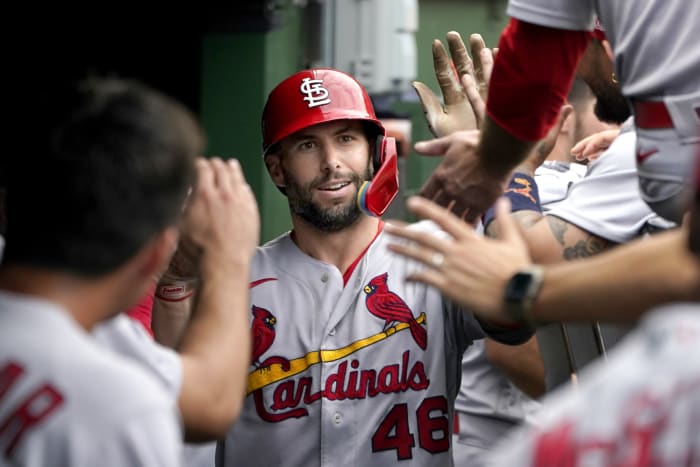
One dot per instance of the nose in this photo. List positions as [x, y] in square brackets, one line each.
[330, 157]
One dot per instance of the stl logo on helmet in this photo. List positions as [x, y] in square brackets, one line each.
[314, 91]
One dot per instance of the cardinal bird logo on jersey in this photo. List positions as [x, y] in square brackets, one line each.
[263, 329]
[385, 304]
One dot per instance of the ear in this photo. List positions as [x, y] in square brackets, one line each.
[273, 162]
[156, 255]
[568, 122]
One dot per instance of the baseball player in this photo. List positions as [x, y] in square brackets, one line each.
[640, 407]
[350, 363]
[64, 400]
[215, 345]
[656, 70]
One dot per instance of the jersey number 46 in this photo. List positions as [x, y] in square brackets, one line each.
[394, 432]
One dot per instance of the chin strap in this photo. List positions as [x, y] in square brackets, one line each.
[374, 197]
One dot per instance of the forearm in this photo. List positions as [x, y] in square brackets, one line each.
[522, 364]
[169, 320]
[499, 151]
[216, 351]
[626, 281]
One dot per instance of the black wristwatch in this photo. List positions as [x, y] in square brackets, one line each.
[520, 292]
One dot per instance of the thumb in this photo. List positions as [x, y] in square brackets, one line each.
[507, 227]
[432, 107]
[434, 147]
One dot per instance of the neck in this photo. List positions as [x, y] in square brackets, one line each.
[87, 300]
[562, 149]
[338, 248]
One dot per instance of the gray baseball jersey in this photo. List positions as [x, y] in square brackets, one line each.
[488, 406]
[607, 201]
[361, 370]
[654, 62]
[64, 400]
[651, 38]
[554, 179]
[640, 407]
[488, 403]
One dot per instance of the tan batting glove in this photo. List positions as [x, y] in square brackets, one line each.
[462, 85]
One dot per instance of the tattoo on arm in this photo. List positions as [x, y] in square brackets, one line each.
[558, 228]
[588, 246]
[584, 248]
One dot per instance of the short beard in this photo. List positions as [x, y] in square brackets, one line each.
[328, 220]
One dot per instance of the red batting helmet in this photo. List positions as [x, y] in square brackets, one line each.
[311, 97]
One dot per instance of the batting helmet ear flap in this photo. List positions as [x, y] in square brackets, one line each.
[374, 197]
[379, 153]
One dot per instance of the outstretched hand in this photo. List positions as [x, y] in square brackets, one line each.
[463, 83]
[461, 183]
[469, 268]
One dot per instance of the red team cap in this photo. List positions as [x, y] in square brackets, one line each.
[310, 97]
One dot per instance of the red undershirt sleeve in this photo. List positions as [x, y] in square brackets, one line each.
[531, 78]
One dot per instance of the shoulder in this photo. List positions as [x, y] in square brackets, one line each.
[128, 338]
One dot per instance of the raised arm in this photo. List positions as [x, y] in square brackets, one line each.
[476, 269]
[222, 222]
[525, 96]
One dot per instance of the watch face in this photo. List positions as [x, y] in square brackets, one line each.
[518, 286]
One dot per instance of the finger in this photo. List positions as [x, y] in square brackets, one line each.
[422, 246]
[430, 188]
[205, 175]
[458, 52]
[588, 148]
[444, 73]
[442, 198]
[447, 221]
[486, 55]
[507, 227]
[476, 44]
[222, 174]
[430, 277]
[430, 104]
[475, 99]
[472, 217]
[236, 172]
[578, 147]
[434, 147]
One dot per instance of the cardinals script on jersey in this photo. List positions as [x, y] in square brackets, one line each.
[360, 368]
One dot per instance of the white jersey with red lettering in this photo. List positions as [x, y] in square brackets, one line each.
[658, 71]
[65, 400]
[640, 407]
[127, 337]
[361, 370]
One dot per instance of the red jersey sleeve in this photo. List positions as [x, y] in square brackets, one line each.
[532, 76]
[143, 310]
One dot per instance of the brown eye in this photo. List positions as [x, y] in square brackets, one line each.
[305, 146]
